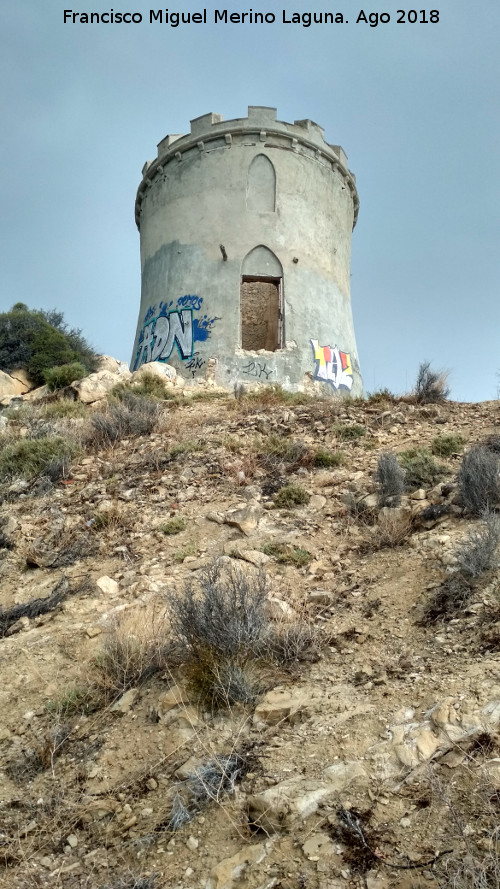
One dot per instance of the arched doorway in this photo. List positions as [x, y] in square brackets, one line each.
[261, 295]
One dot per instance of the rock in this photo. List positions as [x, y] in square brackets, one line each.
[427, 743]
[344, 775]
[368, 504]
[22, 624]
[192, 844]
[164, 372]
[112, 365]
[277, 609]
[254, 556]
[72, 841]
[316, 502]
[418, 495]
[10, 386]
[126, 701]
[174, 697]
[279, 704]
[245, 517]
[96, 386]
[277, 807]
[320, 845]
[225, 874]
[108, 586]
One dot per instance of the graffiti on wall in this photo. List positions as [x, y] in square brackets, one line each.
[258, 369]
[332, 366]
[173, 326]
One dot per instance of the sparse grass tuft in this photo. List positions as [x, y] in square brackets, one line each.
[149, 386]
[189, 550]
[446, 445]
[349, 431]
[290, 496]
[274, 394]
[390, 478]
[325, 459]
[431, 386]
[188, 446]
[173, 526]
[478, 480]
[391, 530]
[210, 782]
[287, 554]
[380, 396]
[421, 469]
[137, 646]
[275, 450]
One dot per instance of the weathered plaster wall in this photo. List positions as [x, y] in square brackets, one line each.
[218, 186]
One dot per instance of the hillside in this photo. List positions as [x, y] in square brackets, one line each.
[351, 743]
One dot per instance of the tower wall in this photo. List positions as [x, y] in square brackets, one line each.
[249, 216]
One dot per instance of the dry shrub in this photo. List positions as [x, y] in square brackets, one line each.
[138, 645]
[431, 386]
[392, 529]
[478, 480]
[390, 478]
[132, 416]
[478, 552]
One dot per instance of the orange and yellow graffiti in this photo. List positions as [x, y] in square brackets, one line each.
[332, 366]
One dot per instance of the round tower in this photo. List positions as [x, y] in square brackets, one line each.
[245, 232]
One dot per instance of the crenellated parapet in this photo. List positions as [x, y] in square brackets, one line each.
[210, 132]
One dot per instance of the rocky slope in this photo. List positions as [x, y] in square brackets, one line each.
[367, 757]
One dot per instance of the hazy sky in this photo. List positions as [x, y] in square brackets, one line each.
[415, 107]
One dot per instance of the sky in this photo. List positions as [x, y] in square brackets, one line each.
[414, 105]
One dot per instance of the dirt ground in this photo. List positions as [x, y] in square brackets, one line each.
[370, 759]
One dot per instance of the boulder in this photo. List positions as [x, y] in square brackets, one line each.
[164, 372]
[229, 870]
[245, 517]
[277, 807]
[106, 362]
[10, 386]
[279, 704]
[96, 386]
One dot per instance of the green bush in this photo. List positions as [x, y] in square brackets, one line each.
[63, 375]
[446, 445]
[291, 495]
[33, 456]
[349, 432]
[173, 526]
[325, 459]
[37, 341]
[422, 471]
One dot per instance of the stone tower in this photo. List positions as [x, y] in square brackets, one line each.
[245, 232]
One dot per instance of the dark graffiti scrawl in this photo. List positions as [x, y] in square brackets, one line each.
[332, 366]
[173, 326]
[257, 369]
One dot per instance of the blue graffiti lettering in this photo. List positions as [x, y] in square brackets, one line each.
[190, 302]
[158, 338]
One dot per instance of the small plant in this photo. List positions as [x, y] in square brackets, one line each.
[210, 782]
[421, 469]
[349, 431]
[430, 386]
[185, 553]
[189, 446]
[287, 554]
[64, 408]
[75, 700]
[275, 449]
[149, 386]
[174, 526]
[274, 394]
[63, 375]
[478, 480]
[380, 396]
[391, 530]
[290, 496]
[478, 552]
[31, 457]
[288, 644]
[325, 459]
[446, 445]
[390, 478]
